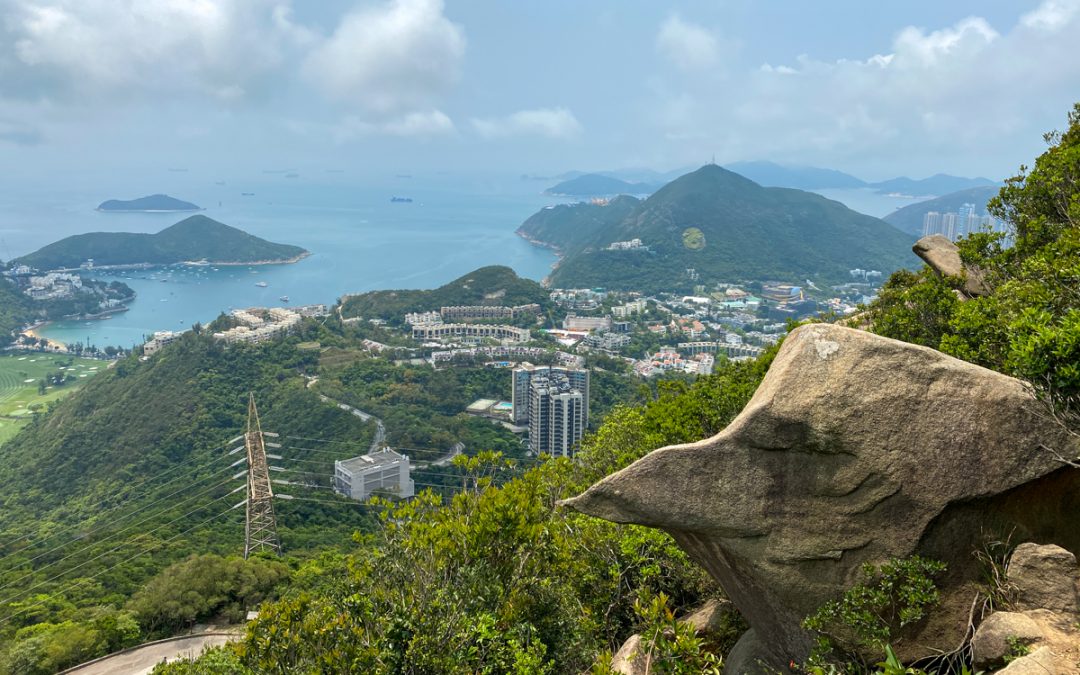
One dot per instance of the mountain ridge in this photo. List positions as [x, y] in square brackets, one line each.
[747, 232]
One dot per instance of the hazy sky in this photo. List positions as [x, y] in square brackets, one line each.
[534, 86]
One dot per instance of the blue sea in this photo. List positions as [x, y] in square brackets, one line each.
[359, 240]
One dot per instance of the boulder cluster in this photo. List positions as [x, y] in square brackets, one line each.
[1040, 630]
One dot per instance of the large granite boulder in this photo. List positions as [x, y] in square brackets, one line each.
[854, 449]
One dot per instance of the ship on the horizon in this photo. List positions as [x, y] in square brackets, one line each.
[401, 200]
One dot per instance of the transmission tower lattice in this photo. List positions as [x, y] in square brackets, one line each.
[260, 530]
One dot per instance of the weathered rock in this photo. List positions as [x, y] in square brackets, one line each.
[1045, 577]
[746, 657]
[710, 617]
[628, 660]
[705, 620]
[1039, 662]
[944, 257]
[991, 643]
[855, 448]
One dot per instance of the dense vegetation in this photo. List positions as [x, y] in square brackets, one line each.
[16, 310]
[494, 285]
[1028, 324]
[750, 232]
[502, 580]
[148, 203]
[499, 578]
[194, 238]
[131, 473]
[910, 218]
[570, 226]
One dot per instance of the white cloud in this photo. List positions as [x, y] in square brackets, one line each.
[390, 59]
[934, 96]
[1051, 15]
[914, 46]
[94, 48]
[427, 124]
[687, 45]
[554, 123]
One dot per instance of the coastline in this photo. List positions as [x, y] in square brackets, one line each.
[148, 266]
[559, 255]
[32, 331]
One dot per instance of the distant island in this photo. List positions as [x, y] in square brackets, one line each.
[151, 204]
[598, 185]
[710, 226]
[194, 238]
[771, 174]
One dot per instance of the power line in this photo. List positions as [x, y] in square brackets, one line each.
[100, 555]
[122, 518]
[111, 568]
[127, 502]
[101, 541]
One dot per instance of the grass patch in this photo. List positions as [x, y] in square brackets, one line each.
[693, 239]
[20, 375]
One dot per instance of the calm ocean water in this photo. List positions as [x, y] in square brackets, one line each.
[359, 240]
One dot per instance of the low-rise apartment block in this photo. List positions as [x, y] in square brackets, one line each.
[471, 331]
[384, 471]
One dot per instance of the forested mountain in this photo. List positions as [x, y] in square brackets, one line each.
[194, 238]
[910, 218]
[724, 226]
[574, 224]
[494, 285]
[132, 473]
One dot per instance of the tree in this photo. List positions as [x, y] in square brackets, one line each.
[1028, 324]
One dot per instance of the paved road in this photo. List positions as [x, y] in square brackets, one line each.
[142, 660]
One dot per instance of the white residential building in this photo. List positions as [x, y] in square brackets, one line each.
[385, 470]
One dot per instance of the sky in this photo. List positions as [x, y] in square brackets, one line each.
[534, 87]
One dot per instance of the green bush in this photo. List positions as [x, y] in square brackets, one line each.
[871, 614]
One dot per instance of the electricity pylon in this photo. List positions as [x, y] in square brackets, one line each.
[260, 529]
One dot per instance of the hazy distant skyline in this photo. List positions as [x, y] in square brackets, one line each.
[962, 87]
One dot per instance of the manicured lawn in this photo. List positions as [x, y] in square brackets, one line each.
[19, 378]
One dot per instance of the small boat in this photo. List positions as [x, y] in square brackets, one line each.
[284, 298]
[261, 284]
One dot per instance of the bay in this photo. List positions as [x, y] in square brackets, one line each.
[359, 240]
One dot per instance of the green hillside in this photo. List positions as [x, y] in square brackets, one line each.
[15, 310]
[194, 238]
[910, 218]
[493, 285]
[725, 227]
[574, 225]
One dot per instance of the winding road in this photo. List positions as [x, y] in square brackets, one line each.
[142, 660]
